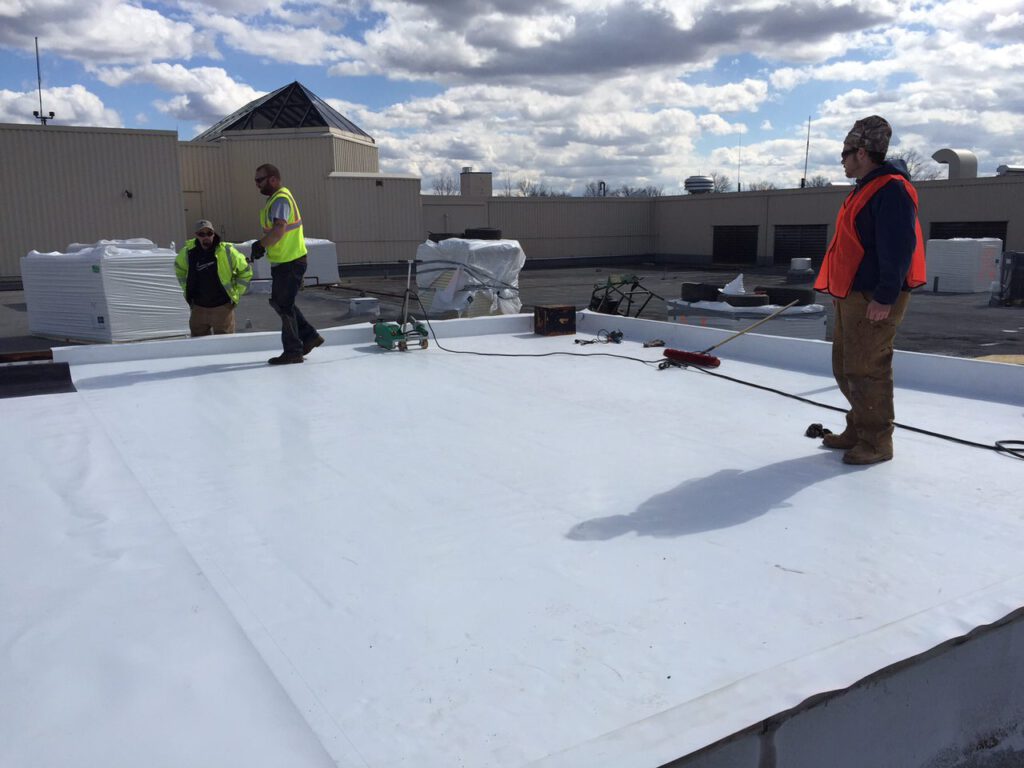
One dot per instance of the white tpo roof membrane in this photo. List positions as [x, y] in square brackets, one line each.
[428, 559]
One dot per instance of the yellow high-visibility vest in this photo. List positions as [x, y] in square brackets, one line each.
[293, 245]
[233, 271]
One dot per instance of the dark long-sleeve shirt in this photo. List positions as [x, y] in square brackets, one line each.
[886, 226]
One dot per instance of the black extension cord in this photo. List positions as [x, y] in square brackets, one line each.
[1012, 448]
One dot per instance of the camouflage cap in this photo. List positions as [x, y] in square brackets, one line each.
[871, 133]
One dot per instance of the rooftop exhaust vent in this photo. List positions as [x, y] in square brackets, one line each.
[699, 185]
[1008, 170]
[963, 164]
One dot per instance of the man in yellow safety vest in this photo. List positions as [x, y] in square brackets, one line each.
[284, 244]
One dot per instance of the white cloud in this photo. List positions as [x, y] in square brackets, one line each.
[106, 31]
[71, 105]
[568, 90]
[203, 94]
[280, 42]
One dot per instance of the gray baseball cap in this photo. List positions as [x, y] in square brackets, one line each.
[204, 224]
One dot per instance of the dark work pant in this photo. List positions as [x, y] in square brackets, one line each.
[862, 365]
[286, 280]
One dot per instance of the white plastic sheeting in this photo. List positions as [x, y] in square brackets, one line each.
[584, 562]
[456, 274]
[962, 264]
[321, 263]
[113, 290]
[801, 322]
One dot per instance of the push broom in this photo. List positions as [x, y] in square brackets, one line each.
[703, 359]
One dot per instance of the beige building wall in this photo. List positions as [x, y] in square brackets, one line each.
[355, 155]
[685, 224]
[206, 187]
[566, 228]
[87, 184]
[224, 171]
[998, 198]
[375, 218]
[304, 157]
[453, 215]
[551, 228]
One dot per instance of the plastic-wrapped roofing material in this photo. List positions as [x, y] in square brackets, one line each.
[806, 322]
[963, 264]
[109, 291]
[454, 274]
[321, 259]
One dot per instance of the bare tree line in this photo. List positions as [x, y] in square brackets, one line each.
[446, 184]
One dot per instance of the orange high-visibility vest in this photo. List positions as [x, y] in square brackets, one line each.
[845, 253]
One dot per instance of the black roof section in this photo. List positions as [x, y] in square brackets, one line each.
[293, 106]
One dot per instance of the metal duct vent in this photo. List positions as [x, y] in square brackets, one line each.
[699, 185]
[1009, 170]
[963, 164]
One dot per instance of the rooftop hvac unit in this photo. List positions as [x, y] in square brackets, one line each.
[1007, 170]
[699, 185]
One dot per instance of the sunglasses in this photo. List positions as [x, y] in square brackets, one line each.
[847, 152]
[260, 179]
[204, 233]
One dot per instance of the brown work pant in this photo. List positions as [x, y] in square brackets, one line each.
[862, 365]
[206, 320]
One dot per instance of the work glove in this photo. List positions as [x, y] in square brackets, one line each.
[258, 251]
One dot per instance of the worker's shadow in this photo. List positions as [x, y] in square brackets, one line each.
[127, 378]
[726, 498]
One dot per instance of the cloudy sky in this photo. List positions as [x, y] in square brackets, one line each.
[559, 92]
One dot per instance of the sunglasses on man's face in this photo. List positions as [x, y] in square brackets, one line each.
[204, 233]
[847, 152]
[260, 179]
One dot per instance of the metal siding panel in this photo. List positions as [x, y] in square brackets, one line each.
[204, 170]
[354, 157]
[376, 220]
[304, 163]
[452, 214]
[73, 183]
[568, 228]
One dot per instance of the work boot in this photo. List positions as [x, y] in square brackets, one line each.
[846, 440]
[309, 346]
[285, 359]
[866, 453]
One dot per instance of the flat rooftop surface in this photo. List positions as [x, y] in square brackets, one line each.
[428, 559]
[963, 325]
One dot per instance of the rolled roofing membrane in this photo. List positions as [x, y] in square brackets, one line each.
[429, 559]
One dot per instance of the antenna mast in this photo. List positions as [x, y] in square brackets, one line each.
[807, 152]
[39, 79]
[739, 162]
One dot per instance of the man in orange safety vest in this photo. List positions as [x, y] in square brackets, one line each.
[875, 259]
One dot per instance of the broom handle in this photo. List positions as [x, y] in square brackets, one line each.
[762, 321]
